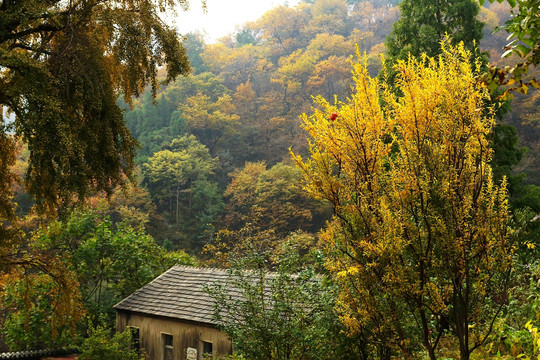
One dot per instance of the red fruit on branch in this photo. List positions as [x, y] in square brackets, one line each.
[333, 116]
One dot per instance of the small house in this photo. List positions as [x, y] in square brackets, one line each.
[171, 317]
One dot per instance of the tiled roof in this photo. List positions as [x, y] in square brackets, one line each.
[178, 293]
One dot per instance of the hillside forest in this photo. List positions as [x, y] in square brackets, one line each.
[238, 114]
[286, 146]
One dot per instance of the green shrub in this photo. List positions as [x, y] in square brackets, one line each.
[102, 345]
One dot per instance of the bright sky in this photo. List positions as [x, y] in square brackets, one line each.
[223, 15]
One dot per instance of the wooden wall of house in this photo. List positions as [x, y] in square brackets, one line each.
[185, 335]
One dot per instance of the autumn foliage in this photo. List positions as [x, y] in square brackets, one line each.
[419, 242]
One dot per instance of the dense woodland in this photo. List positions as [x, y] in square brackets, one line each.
[243, 103]
[286, 146]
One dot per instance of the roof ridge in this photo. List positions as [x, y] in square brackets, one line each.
[189, 267]
[224, 270]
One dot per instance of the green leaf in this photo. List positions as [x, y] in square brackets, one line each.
[525, 21]
[507, 53]
[517, 73]
[512, 43]
[528, 41]
[523, 50]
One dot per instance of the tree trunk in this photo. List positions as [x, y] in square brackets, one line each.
[177, 195]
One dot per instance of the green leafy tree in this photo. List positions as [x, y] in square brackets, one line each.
[85, 266]
[194, 44]
[245, 37]
[515, 337]
[524, 30]
[507, 154]
[179, 181]
[284, 315]
[425, 23]
[42, 310]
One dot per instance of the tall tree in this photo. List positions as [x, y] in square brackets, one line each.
[63, 65]
[419, 241]
[179, 181]
[425, 23]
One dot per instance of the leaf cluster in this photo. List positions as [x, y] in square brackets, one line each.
[102, 343]
[524, 30]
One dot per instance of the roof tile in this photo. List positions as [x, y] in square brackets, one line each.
[178, 293]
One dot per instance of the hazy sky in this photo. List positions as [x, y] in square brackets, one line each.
[223, 15]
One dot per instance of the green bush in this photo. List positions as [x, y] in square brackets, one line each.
[102, 345]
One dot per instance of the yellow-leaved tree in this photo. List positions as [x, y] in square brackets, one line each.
[419, 243]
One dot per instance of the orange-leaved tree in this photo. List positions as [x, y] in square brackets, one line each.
[419, 243]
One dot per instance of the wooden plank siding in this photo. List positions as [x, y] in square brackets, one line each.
[185, 334]
[175, 304]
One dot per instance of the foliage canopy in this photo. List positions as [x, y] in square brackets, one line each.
[420, 230]
[425, 23]
[62, 68]
[288, 314]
